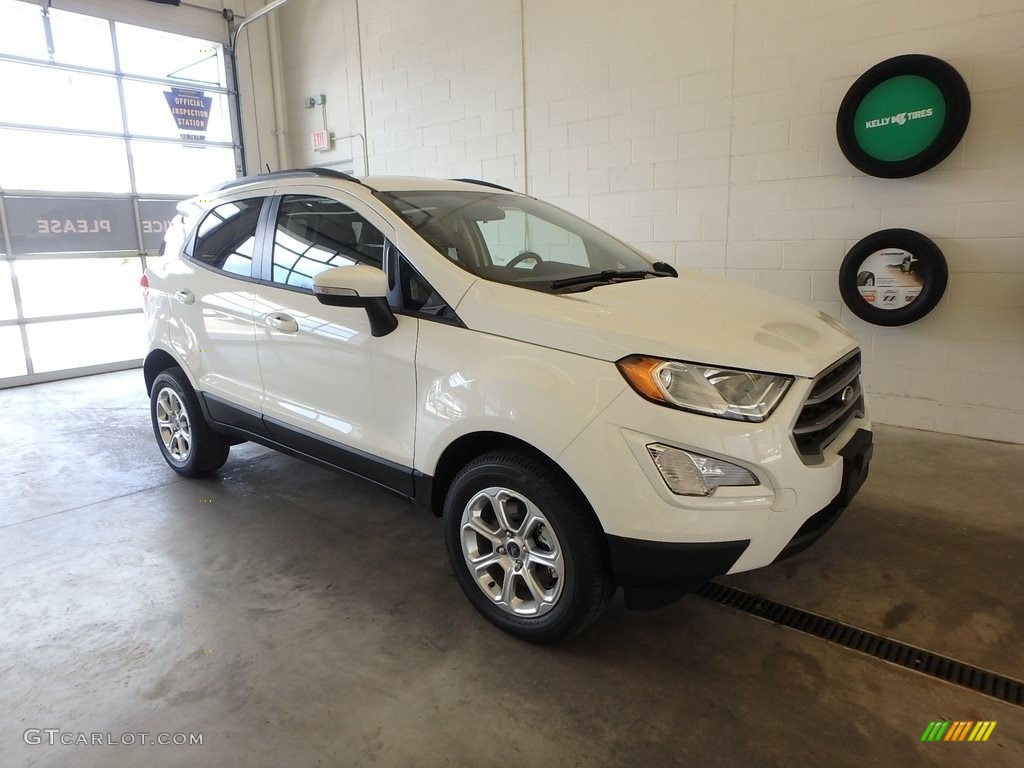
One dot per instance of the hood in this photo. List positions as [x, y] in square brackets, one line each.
[695, 317]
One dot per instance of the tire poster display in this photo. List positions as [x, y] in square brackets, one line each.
[903, 116]
[893, 277]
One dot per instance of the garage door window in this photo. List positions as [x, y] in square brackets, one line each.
[137, 120]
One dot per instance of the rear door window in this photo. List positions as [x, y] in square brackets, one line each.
[226, 238]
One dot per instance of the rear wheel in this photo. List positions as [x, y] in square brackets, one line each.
[186, 441]
[525, 547]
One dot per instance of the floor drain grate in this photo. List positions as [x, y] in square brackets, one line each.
[908, 656]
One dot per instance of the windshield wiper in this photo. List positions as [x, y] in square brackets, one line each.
[606, 276]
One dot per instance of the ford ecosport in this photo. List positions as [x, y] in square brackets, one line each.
[580, 417]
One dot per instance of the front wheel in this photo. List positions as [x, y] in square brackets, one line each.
[186, 441]
[525, 547]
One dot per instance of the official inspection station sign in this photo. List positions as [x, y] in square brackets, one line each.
[190, 109]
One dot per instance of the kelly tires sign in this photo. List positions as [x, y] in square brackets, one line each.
[903, 116]
[893, 277]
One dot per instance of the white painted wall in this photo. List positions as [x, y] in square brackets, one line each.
[328, 28]
[704, 133]
[255, 77]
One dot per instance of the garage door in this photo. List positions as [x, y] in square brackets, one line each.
[104, 126]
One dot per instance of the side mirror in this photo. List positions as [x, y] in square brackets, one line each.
[358, 285]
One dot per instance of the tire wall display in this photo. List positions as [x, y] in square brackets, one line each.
[893, 277]
[903, 116]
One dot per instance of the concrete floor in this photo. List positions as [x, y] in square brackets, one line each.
[299, 617]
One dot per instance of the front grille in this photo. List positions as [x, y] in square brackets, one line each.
[836, 397]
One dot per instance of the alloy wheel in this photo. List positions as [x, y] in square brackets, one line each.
[512, 552]
[173, 422]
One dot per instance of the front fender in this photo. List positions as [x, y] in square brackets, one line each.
[467, 382]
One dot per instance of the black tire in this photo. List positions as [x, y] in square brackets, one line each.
[865, 278]
[958, 114]
[588, 584]
[208, 450]
[929, 265]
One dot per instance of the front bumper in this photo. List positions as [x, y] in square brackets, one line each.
[793, 501]
[655, 573]
[856, 459]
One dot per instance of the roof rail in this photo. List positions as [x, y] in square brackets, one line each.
[326, 173]
[485, 184]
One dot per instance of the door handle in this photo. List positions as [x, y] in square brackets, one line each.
[185, 297]
[282, 322]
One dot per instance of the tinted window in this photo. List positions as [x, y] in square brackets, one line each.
[317, 233]
[512, 238]
[419, 296]
[227, 236]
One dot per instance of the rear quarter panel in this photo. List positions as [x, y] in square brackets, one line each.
[163, 330]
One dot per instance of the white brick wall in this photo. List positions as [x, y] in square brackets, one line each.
[442, 80]
[704, 132]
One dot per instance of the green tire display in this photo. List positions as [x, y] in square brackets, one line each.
[903, 116]
[893, 277]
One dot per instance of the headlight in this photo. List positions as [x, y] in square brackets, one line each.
[722, 392]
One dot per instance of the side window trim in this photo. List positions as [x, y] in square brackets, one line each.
[190, 241]
[268, 224]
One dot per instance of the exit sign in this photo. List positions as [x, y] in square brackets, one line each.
[320, 140]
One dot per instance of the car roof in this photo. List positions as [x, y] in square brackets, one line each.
[409, 183]
[259, 183]
[377, 183]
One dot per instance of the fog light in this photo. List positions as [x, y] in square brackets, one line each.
[691, 474]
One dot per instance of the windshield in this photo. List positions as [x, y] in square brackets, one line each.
[515, 239]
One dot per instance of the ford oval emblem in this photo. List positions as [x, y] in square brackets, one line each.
[847, 395]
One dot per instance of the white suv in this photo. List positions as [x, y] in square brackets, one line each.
[580, 417]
